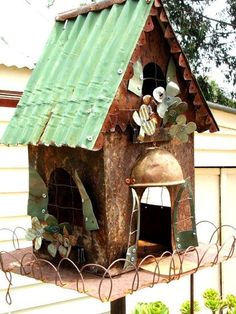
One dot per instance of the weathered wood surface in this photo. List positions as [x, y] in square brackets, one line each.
[95, 6]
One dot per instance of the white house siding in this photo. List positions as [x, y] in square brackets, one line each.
[28, 295]
[13, 78]
[218, 149]
[215, 159]
[215, 201]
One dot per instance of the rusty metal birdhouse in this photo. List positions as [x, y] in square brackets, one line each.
[108, 114]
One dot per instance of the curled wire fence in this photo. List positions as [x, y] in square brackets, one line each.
[28, 264]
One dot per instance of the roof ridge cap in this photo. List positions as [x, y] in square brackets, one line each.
[95, 6]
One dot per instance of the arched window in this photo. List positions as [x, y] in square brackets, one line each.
[152, 78]
[64, 200]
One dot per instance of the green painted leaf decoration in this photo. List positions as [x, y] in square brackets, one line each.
[52, 229]
[51, 220]
[52, 249]
[36, 223]
[37, 243]
[62, 251]
[60, 238]
[181, 119]
[66, 242]
[170, 116]
[173, 130]
[173, 112]
[183, 137]
[190, 127]
[48, 237]
[170, 101]
[30, 234]
[182, 107]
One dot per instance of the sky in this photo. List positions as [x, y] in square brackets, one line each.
[213, 11]
[25, 29]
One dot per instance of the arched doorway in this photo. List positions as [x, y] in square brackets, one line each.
[155, 221]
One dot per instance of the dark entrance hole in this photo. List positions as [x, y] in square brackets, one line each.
[155, 224]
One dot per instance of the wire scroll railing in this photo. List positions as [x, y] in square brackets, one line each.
[107, 287]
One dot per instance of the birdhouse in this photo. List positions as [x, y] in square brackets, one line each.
[109, 115]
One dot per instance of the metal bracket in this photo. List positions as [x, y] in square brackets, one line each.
[87, 207]
[136, 82]
[131, 253]
[38, 195]
[187, 238]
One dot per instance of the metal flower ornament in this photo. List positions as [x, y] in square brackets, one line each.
[166, 98]
[164, 110]
[181, 130]
[146, 118]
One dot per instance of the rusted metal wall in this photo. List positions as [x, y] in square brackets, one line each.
[90, 166]
[121, 153]
[104, 172]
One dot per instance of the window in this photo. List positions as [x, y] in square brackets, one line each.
[64, 200]
[152, 78]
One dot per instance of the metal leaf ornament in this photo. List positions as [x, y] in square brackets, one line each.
[35, 233]
[181, 130]
[166, 98]
[173, 112]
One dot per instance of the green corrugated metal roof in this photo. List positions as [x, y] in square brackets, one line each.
[73, 85]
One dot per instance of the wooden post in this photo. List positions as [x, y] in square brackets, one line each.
[118, 306]
[191, 294]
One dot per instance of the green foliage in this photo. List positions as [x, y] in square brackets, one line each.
[185, 307]
[231, 303]
[214, 93]
[203, 39]
[151, 308]
[212, 300]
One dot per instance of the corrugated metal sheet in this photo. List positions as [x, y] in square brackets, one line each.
[72, 87]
